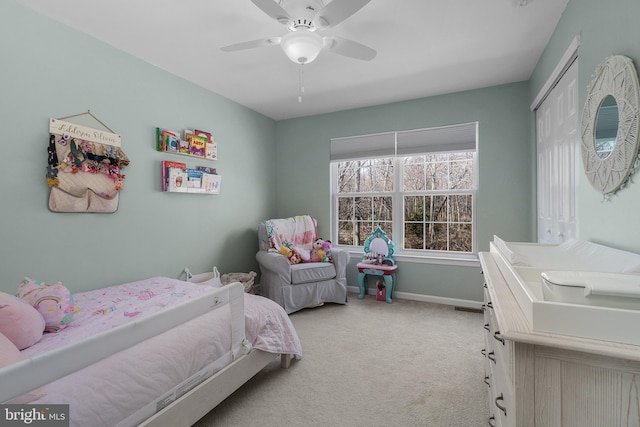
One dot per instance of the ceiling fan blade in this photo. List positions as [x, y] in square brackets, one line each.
[336, 12]
[252, 44]
[348, 48]
[274, 10]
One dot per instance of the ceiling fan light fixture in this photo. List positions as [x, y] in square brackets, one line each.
[301, 46]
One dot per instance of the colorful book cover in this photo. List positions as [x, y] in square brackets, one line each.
[207, 169]
[165, 137]
[204, 134]
[183, 146]
[211, 152]
[166, 164]
[159, 146]
[197, 145]
[194, 183]
[211, 183]
[211, 148]
[177, 180]
[171, 141]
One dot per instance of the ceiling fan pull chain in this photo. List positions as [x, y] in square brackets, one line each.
[301, 83]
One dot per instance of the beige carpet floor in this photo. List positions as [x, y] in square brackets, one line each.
[370, 364]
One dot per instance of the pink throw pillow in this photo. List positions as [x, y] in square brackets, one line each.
[9, 353]
[54, 302]
[19, 321]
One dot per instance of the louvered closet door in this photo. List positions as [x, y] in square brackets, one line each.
[557, 144]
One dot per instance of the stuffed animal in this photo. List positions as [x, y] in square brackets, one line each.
[291, 255]
[321, 251]
[302, 253]
[326, 247]
[245, 278]
[313, 253]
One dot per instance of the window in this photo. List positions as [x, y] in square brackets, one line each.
[419, 186]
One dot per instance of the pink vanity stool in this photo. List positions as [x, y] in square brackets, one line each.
[378, 261]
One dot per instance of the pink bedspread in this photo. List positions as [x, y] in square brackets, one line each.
[118, 386]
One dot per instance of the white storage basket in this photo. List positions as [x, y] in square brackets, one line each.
[211, 278]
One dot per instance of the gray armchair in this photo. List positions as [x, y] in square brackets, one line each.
[296, 286]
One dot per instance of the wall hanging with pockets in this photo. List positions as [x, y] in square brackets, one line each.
[84, 166]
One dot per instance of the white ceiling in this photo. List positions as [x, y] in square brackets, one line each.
[425, 48]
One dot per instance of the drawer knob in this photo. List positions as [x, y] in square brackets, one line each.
[486, 326]
[491, 421]
[492, 356]
[486, 381]
[498, 337]
[489, 304]
[484, 352]
[502, 408]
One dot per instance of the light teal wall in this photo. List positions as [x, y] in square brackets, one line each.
[48, 70]
[269, 169]
[605, 29]
[504, 203]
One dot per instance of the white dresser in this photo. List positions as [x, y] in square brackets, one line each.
[551, 380]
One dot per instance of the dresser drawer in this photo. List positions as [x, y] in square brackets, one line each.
[501, 405]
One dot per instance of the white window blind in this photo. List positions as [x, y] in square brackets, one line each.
[439, 139]
[460, 137]
[363, 146]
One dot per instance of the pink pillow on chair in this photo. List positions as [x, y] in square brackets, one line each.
[19, 321]
[54, 302]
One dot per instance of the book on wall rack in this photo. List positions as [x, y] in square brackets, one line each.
[167, 140]
[193, 143]
[170, 172]
[197, 145]
[178, 178]
[211, 149]
[207, 169]
[211, 183]
[194, 183]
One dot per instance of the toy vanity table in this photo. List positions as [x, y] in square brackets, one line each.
[378, 261]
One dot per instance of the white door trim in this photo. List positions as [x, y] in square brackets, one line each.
[565, 62]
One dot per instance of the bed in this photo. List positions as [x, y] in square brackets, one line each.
[157, 352]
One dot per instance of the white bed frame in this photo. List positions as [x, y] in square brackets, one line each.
[195, 404]
[40, 370]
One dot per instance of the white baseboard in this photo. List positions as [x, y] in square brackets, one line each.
[427, 298]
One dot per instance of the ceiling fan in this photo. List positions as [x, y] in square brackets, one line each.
[304, 18]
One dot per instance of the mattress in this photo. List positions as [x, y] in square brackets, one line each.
[131, 385]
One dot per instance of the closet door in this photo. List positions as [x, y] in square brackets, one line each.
[557, 144]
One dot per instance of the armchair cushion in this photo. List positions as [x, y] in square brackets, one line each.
[312, 272]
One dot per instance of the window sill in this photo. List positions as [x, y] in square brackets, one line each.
[470, 260]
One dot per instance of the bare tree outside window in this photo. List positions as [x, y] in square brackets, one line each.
[435, 192]
[439, 216]
[362, 200]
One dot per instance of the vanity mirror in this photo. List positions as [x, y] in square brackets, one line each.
[610, 124]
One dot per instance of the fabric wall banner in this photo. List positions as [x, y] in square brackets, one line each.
[60, 127]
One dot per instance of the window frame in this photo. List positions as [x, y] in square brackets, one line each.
[398, 222]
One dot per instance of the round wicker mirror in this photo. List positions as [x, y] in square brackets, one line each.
[616, 78]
